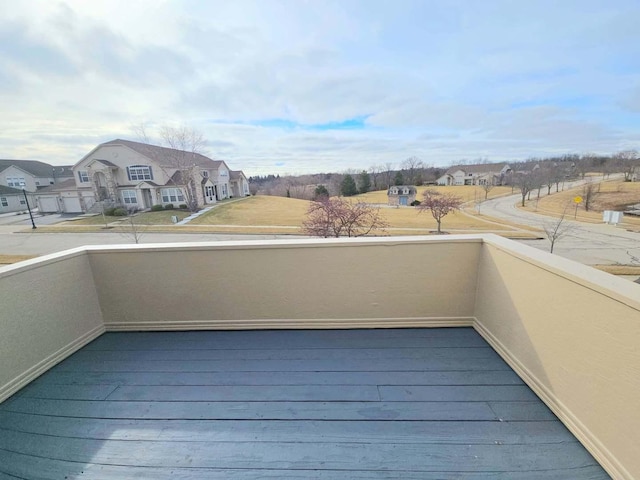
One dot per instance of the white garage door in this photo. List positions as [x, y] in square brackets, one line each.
[47, 204]
[71, 204]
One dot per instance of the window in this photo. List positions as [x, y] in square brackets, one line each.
[139, 172]
[129, 197]
[37, 183]
[205, 174]
[170, 195]
[4, 202]
[22, 202]
[83, 175]
[224, 189]
[16, 182]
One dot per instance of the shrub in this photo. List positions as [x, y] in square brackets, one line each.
[157, 208]
[168, 206]
[119, 212]
[183, 206]
[415, 203]
[109, 211]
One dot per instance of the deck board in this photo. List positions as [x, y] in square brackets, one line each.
[327, 404]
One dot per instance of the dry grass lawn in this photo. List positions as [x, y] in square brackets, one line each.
[467, 193]
[259, 211]
[9, 259]
[613, 196]
[147, 218]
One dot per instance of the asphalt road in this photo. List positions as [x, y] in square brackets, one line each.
[592, 244]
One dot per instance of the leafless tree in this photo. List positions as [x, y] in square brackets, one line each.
[387, 171]
[374, 173]
[556, 229]
[336, 217]
[439, 204]
[525, 182]
[487, 187]
[628, 163]
[184, 144]
[412, 166]
[589, 193]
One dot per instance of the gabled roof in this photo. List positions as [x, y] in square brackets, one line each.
[411, 188]
[67, 184]
[62, 171]
[34, 167]
[478, 169]
[166, 156]
[10, 191]
[236, 174]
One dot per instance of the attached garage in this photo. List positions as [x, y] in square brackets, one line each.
[48, 204]
[71, 204]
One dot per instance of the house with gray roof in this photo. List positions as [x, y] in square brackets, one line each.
[137, 176]
[14, 199]
[31, 174]
[480, 174]
[401, 195]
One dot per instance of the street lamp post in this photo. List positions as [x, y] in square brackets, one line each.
[33, 224]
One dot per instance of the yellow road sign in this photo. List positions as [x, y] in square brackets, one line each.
[577, 199]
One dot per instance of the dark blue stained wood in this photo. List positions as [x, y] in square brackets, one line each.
[288, 354]
[328, 365]
[281, 455]
[462, 432]
[401, 403]
[283, 339]
[472, 411]
[456, 393]
[495, 377]
[26, 466]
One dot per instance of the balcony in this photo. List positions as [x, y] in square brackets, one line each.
[318, 359]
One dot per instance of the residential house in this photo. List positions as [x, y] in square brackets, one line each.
[239, 184]
[136, 176]
[31, 174]
[13, 199]
[401, 195]
[480, 174]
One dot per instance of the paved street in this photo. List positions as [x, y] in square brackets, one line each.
[587, 243]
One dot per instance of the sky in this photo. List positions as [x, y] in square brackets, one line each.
[295, 86]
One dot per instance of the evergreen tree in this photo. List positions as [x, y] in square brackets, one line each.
[398, 179]
[365, 182]
[348, 186]
[320, 192]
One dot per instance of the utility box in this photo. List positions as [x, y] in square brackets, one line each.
[174, 219]
[612, 216]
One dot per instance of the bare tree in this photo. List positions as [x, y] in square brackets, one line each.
[628, 163]
[439, 205]
[556, 229]
[413, 167]
[185, 145]
[336, 217]
[375, 173]
[589, 193]
[487, 187]
[525, 182]
[387, 171]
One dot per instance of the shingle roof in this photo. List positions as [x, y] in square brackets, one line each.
[480, 168]
[68, 184]
[167, 156]
[9, 190]
[235, 174]
[411, 188]
[34, 167]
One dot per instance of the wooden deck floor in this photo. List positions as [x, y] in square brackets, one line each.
[354, 404]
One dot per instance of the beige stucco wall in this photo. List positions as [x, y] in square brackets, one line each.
[317, 283]
[574, 334]
[49, 307]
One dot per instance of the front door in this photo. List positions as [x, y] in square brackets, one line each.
[146, 197]
[403, 200]
[210, 194]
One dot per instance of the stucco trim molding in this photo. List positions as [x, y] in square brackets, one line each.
[604, 456]
[41, 367]
[268, 323]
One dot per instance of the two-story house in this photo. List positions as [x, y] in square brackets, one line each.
[480, 174]
[32, 175]
[138, 176]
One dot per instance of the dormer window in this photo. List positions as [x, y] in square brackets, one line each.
[205, 174]
[83, 176]
[139, 172]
